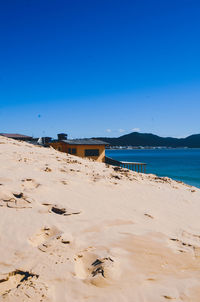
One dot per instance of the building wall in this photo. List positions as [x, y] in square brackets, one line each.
[80, 150]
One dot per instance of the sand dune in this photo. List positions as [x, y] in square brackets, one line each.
[75, 230]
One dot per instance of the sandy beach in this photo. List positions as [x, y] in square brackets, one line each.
[72, 229]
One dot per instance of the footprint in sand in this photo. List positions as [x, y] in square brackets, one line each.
[181, 246]
[15, 200]
[44, 235]
[95, 269]
[188, 242]
[192, 241]
[29, 184]
[56, 244]
[19, 285]
[59, 210]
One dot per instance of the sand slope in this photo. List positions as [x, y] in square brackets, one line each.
[76, 230]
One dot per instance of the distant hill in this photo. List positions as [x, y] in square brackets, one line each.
[147, 139]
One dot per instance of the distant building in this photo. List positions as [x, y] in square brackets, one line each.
[89, 148]
[44, 141]
[20, 137]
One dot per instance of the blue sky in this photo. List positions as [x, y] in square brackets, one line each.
[100, 68]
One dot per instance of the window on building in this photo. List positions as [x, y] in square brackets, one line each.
[91, 152]
[73, 150]
[69, 150]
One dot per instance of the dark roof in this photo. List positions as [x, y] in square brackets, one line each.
[84, 141]
[14, 135]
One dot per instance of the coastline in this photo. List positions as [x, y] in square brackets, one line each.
[152, 148]
[178, 164]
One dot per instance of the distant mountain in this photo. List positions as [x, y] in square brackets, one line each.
[147, 139]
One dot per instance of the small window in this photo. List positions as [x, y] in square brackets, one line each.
[73, 150]
[59, 148]
[69, 151]
[91, 152]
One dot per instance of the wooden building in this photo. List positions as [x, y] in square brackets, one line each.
[89, 148]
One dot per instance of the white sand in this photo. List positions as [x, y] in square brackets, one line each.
[122, 236]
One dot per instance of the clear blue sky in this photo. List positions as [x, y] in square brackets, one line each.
[100, 67]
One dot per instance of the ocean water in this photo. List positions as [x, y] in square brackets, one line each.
[178, 164]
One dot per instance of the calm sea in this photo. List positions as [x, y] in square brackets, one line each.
[179, 164]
